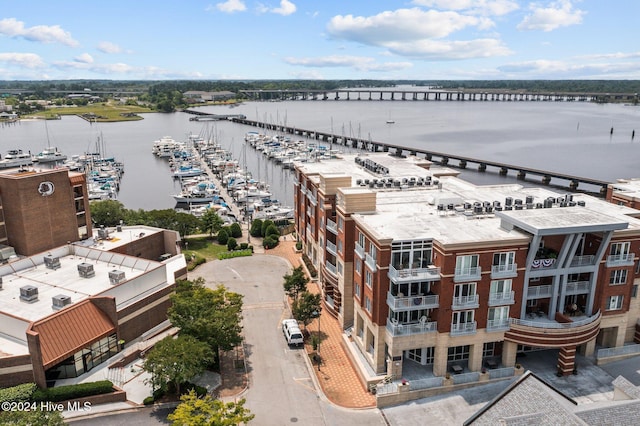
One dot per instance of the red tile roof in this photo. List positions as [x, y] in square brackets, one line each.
[73, 328]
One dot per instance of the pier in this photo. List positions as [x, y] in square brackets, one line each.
[203, 116]
[431, 94]
[546, 177]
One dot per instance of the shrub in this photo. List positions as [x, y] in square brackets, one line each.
[244, 246]
[232, 244]
[195, 262]
[265, 225]
[298, 245]
[223, 237]
[235, 253]
[63, 393]
[272, 230]
[270, 242]
[236, 230]
[256, 228]
[148, 400]
[307, 262]
[19, 393]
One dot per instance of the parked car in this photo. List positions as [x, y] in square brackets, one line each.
[292, 332]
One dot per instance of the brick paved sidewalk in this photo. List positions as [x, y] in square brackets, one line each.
[337, 375]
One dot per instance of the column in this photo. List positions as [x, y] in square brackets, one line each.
[475, 357]
[440, 360]
[566, 360]
[509, 350]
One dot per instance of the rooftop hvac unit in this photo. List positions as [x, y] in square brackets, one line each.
[116, 277]
[60, 301]
[508, 201]
[477, 209]
[518, 206]
[103, 233]
[29, 293]
[518, 202]
[51, 262]
[85, 270]
[489, 209]
[581, 203]
[529, 199]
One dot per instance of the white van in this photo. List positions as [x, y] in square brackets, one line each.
[292, 332]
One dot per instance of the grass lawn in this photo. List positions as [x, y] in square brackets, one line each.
[206, 247]
[104, 112]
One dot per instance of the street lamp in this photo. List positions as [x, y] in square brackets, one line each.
[316, 314]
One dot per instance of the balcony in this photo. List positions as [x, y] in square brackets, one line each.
[553, 334]
[430, 273]
[397, 329]
[583, 260]
[331, 226]
[504, 271]
[360, 251]
[539, 292]
[467, 274]
[371, 262]
[464, 328]
[614, 260]
[504, 298]
[331, 268]
[577, 287]
[466, 302]
[331, 248]
[498, 324]
[412, 302]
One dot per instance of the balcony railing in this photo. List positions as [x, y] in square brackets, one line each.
[578, 287]
[553, 324]
[430, 273]
[331, 226]
[583, 260]
[399, 329]
[331, 268]
[370, 261]
[465, 302]
[498, 325]
[539, 292]
[413, 302]
[360, 251]
[464, 328]
[504, 271]
[331, 248]
[467, 274]
[625, 259]
[504, 298]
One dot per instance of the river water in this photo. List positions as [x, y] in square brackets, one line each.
[567, 137]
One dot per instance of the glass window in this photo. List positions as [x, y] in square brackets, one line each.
[504, 259]
[500, 286]
[500, 313]
[358, 265]
[368, 278]
[367, 304]
[466, 265]
[356, 290]
[340, 223]
[618, 277]
[457, 353]
[620, 249]
[614, 303]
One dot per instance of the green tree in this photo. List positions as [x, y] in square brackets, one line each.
[107, 212]
[265, 224]
[176, 360]
[195, 411]
[211, 316]
[236, 230]
[256, 228]
[31, 417]
[306, 308]
[295, 283]
[223, 236]
[186, 224]
[211, 222]
[232, 244]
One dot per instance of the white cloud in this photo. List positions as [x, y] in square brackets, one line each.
[11, 27]
[26, 60]
[401, 25]
[231, 6]
[557, 14]
[444, 50]
[359, 63]
[286, 8]
[480, 7]
[85, 58]
[108, 47]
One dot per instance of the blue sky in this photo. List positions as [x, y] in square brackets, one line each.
[322, 39]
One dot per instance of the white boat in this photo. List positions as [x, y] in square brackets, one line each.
[165, 147]
[16, 158]
[251, 193]
[49, 155]
[187, 171]
[203, 192]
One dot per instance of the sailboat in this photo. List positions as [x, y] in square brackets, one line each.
[390, 120]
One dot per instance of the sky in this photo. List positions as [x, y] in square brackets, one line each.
[320, 40]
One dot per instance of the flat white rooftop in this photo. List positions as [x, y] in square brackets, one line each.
[117, 236]
[447, 214]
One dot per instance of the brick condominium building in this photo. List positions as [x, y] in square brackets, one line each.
[422, 267]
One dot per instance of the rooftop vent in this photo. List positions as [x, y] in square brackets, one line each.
[51, 262]
[103, 233]
[29, 293]
[60, 301]
[116, 277]
[581, 203]
[85, 270]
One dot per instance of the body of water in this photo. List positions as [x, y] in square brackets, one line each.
[568, 137]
